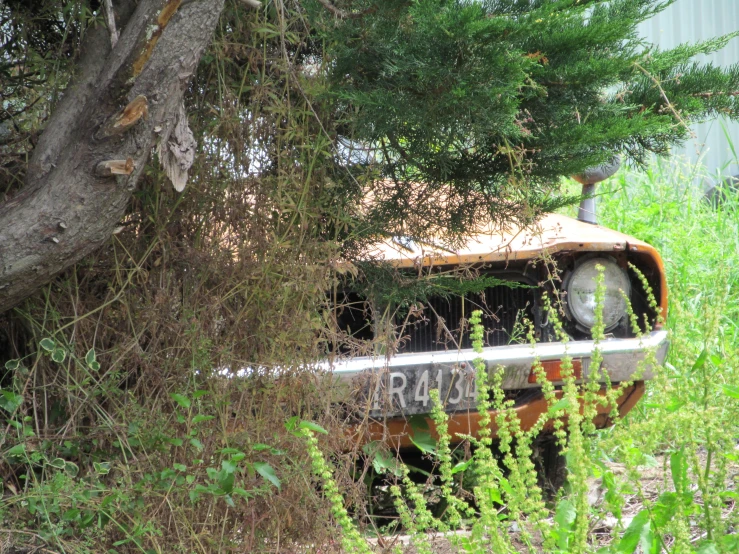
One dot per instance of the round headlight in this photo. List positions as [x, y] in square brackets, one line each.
[580, 287]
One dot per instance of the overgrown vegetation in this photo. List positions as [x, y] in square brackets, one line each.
[662, 480]
[150, 395]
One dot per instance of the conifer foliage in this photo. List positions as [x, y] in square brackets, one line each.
[502, 97]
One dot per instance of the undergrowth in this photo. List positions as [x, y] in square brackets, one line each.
[661, 480]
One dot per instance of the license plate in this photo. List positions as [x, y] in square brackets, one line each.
[406, 391]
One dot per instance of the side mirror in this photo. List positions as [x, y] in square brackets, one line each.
[588, 179]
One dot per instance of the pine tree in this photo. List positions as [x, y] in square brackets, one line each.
[485, 105]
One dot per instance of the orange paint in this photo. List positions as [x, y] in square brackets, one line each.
[396, 433]
[553, 370]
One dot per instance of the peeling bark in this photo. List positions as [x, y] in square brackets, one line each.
[69, 207]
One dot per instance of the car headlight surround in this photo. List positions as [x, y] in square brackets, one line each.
[580, 287]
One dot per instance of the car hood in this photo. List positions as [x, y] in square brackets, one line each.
[552, 233]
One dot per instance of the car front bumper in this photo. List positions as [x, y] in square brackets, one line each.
[378, 380]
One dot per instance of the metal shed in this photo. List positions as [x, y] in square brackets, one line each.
[691, 21]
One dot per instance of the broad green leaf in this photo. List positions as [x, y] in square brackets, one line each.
[10, 401]
[57, 463]
[228, 466]
[731, 390]
[181, 399]
[228, 450]
[637, 532]
[226, 482]
[200, 418]
[17, 450]
[312, 426]
[229, 500]
[95, 366]
[12, 365]
[180, 467]
[268, 472]
[565, 514]
[90, 356]
[197, 444]
[71, 469]
[494, 495]
[258, 447]
[564, 518]
[419, 422]
[707, 548]
[101, 468]
[199, 393]
[423, 441]
[47, 344]
[58, 355]
[71, 514]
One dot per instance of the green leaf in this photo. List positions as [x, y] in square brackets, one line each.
[182, 400]
[71, 469]
[199, 393]
[312, 426]
[180, 467]
[228, 450]
[197, 444]
[101, 468]
[292, 423]
[12, 365]
[419, 422]
[57, 463]
[564, 518]
[462, 466]
[90, 356]
[268, 472]
[561, 405]
[229, 500]
[258, 447]
[700, 361]
[10, 401]
[707, 548]
[17, 450]
[71, 514]
[731, 390]
[95, 366]
[228, 466]
[47, 344]
[423, 441]
[679, 470]
[200, 418]
[226, 482]
[565, 514]
[58, 355]
[638, 532]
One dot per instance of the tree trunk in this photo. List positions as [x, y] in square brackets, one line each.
[89, 158]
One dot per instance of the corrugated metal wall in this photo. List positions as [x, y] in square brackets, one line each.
[691, 21]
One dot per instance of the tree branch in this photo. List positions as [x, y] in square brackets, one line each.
[67, 209]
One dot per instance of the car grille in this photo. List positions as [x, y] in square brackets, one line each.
[441, 323]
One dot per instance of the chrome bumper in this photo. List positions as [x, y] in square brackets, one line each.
[623, 360]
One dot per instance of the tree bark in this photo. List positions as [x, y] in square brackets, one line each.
[122, 102]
